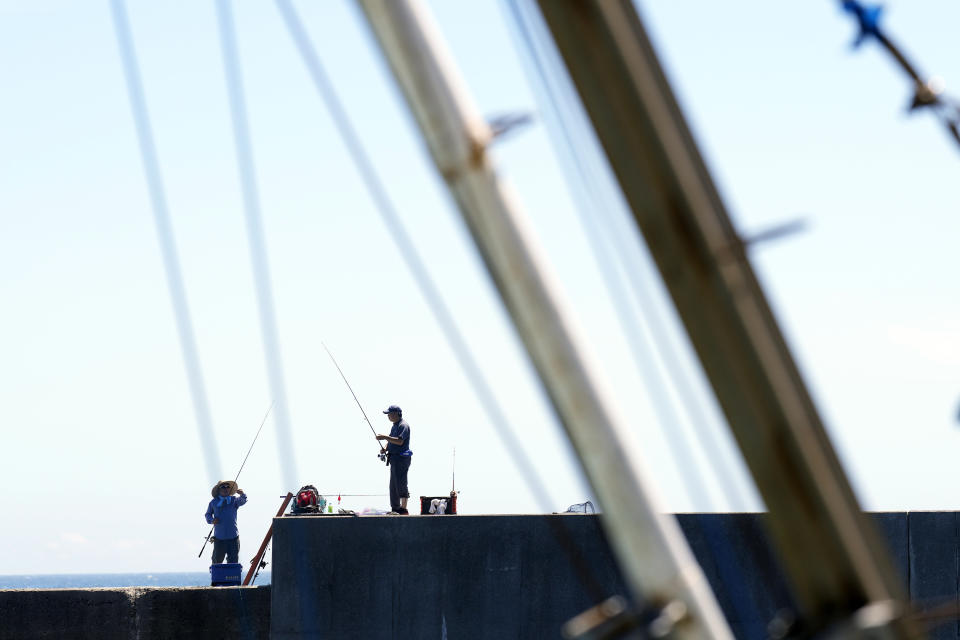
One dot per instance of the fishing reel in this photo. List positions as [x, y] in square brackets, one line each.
[382, 455]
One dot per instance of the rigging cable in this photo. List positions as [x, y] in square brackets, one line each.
[168, 248]
[648, 343]
[927, 93]
[428, 289]
[717, 546]
[257, 245]
[408, 250]
[591, 185]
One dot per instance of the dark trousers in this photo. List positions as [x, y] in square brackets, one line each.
[229, 548]
[399, 465]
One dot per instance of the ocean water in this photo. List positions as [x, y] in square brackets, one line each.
[86, 580]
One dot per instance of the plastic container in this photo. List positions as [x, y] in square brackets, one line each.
[226, 574]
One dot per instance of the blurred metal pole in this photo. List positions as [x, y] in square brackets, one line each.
[656, 562]
[836, 561]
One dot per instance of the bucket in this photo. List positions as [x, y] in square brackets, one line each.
[226, 574]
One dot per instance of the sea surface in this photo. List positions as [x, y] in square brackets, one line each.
[85, 580]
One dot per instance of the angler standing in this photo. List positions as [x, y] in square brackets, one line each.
[222, 514]
[399, 456]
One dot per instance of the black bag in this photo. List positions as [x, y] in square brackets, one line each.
[307, 500]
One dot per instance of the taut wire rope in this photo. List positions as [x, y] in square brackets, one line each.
[257, 244]
[168, 249]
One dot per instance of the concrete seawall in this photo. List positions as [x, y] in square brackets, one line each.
[432, 576]
[461, 577]
[516, 576]
[136, 613]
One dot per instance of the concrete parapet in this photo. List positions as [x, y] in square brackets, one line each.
[67, 613]
[933, 571]
[476, 577]
[512, 576]
[742, 570]
[435, 576]
[150, 613]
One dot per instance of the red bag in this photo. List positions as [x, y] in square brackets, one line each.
[307, 500]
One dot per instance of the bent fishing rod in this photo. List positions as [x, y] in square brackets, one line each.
[383, 452]
[262, 422]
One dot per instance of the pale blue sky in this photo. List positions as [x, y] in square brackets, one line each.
[102, 467]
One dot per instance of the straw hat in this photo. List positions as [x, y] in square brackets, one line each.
[233, 488]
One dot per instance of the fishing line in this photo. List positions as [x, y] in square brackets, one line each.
[383, 452]
[262, 422]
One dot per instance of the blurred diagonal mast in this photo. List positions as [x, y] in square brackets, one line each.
[658, 566]
[840, 573]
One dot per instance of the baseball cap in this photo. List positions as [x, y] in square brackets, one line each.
[393, 408]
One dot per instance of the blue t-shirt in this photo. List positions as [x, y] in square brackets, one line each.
[226, 510]
[401, 430]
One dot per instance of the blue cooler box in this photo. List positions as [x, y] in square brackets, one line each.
[226, 574]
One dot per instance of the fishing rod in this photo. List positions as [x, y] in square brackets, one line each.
[242, 464]
[383, 452]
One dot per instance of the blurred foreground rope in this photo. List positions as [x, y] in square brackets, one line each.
[928, 94]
